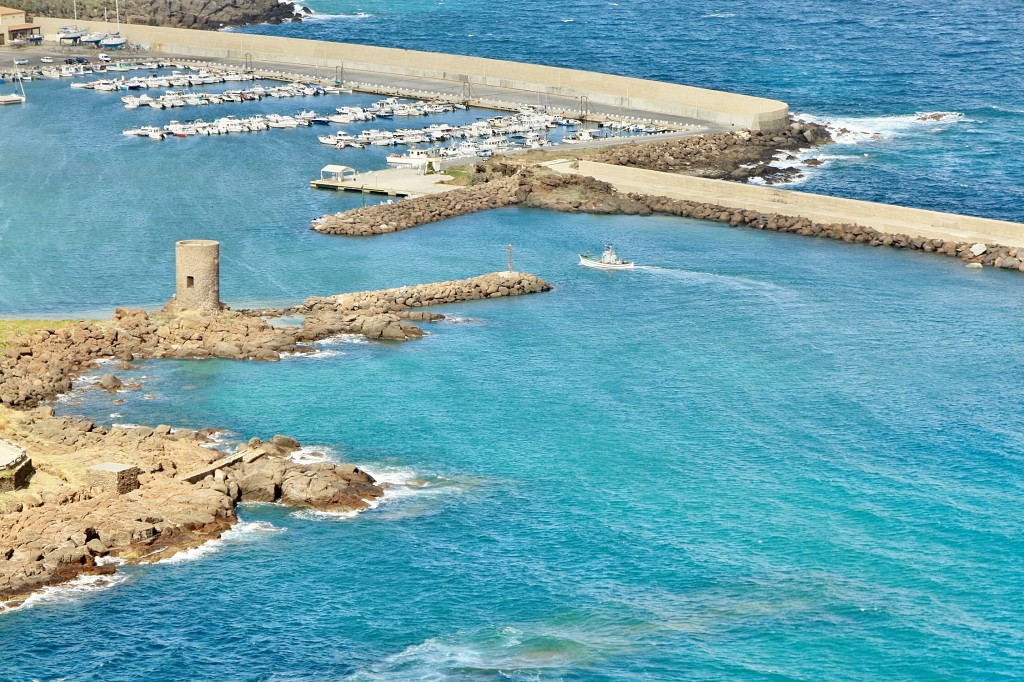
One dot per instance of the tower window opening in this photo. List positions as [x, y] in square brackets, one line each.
[190, 282]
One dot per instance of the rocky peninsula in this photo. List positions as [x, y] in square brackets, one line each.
[195, 14]
[178, 490]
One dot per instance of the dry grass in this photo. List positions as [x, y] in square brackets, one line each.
[12, 328]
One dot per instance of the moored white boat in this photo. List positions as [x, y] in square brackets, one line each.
[414, 157]
[608, 260]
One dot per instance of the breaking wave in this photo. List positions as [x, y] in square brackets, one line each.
[241, 533]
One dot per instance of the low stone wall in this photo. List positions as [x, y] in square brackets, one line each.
[16, 476]
[539, 187]
[527, 81]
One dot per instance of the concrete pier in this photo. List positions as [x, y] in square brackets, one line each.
[466, 77]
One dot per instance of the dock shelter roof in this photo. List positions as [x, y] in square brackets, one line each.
[337, 171]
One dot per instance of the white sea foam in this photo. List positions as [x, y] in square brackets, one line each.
[858, 130]
[718, 15]
[489, 654]
[220, 440]
[321, 16]
[69, 591]
[241, 532]
[400, 484]
[310, 455]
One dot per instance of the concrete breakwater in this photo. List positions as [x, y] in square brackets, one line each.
[539, 187]
[44, 364]
[457, 75]
[493, 192]
[63, 526]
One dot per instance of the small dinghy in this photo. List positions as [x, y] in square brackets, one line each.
[608, 260]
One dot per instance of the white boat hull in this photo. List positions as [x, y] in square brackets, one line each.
[597, 264]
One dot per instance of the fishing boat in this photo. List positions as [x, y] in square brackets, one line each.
[608, 260]
[93, 38]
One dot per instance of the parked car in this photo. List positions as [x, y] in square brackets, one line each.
[103, 57]
[20, 61]
[46, 60]
[70, 60]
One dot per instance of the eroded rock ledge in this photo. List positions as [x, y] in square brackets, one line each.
[63, 527]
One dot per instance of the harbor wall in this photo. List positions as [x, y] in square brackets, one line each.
[724, 108]
[816, 207]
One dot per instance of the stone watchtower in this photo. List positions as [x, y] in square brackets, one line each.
[197, 274]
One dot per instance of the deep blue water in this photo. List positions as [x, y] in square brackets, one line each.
[762, 457]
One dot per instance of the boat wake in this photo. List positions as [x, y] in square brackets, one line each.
[698, 278]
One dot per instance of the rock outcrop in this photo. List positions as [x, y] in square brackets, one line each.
[728, 156]
[62, 527]
[195, 14]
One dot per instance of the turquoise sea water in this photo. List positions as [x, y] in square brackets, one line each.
[759, 457]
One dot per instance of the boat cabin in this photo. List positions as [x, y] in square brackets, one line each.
[14, 26]
[338, 173]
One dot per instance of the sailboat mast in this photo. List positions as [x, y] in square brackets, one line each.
[117, 12]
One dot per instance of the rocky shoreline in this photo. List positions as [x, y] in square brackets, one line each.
[64, 525]
[194, 14]
[739, 155]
